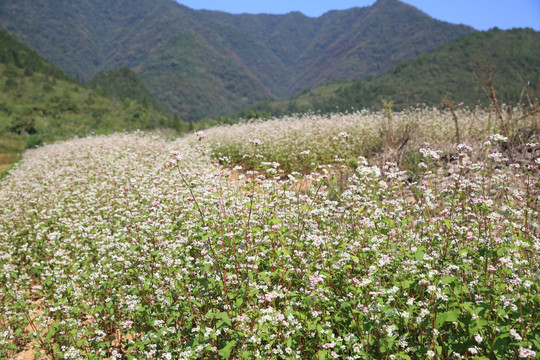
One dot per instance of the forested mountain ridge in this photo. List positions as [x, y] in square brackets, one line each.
[21, 56]
[122, 83]
[206, 63]
[39, 103]
[457, 72]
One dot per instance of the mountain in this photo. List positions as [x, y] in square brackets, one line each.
[457, 72]
[207, 63]
[122, 83]
[40, 103]
[13, 52]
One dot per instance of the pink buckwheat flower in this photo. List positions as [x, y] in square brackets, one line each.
[526, 353]
[200, 135]
[256, 142]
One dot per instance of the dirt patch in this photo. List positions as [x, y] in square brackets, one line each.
[302, 186]
[6, 159]
[29, 352]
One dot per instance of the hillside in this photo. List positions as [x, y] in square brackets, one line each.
[205, 63]
[39, 103]
[457, 72]
[122, 83]
[13, 52]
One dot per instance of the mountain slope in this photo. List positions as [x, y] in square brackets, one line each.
[39, 103]
[456, 72]
[205, 63]
[347, 44]
[374, 40]
[13, 52]
[122, 83]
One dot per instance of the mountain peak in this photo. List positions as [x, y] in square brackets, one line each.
[394, 5]
[387, 3]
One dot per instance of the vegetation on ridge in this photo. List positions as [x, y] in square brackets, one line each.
[458, 72]
[40, 104]
[122, 84]
[203, 64]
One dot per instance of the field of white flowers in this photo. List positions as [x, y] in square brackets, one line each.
[277, 240]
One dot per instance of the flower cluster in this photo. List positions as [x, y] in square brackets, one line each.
[132, 246]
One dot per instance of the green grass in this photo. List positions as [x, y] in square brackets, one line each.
[36, 109]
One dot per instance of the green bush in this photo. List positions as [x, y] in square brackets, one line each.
[33, 141]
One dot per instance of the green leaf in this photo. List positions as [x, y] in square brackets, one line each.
[406, 284]
[441, 318]
[403, 356]
[477, 325]
[448, 279]
[225, 317]
[449, 316]
[265, 278]
[51, 333]
[448, 224]
[501, 251]
[226, 351]
[453, 315]
[419, 255]
[345, 305]
[323, 354]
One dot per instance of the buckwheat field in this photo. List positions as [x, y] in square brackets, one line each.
[411, 235]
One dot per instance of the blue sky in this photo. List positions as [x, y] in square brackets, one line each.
[480, 14]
